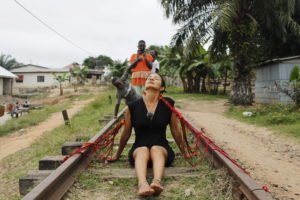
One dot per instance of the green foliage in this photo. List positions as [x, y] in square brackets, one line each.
[101, 61]
[79, 75]
[238, 27]
[295, 74]
[61, 78]
[84, 122]
[118, 68]
[278, 117]
[32, 118]
[7, 62]
[194, 67]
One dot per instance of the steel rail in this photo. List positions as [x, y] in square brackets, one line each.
[60, 180]
[244, 185]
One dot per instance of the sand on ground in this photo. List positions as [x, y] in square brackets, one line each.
[22, 139]
[273, 159]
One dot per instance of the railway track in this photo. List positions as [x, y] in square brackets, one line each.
[56, 183]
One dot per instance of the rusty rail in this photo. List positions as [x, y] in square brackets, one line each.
[244, 185]
[59, 181]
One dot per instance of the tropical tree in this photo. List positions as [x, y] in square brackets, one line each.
[118, 68]
[232, 24]
[79, 75]
[190, 66]
[101, 61]
[7, 62]
[60, 79]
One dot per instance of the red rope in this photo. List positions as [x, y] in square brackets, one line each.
[106, 141]
[199, 135]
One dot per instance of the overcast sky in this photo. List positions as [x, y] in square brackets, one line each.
[107, 27]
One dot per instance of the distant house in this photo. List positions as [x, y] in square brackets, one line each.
[94, 76]
[6, 81]
[267, 73]
[33, 76]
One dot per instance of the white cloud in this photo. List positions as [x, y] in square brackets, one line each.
[108, 27]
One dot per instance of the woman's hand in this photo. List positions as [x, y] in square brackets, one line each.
[112, 158]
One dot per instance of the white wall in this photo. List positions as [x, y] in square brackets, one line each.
[30, 80]
[1, 86]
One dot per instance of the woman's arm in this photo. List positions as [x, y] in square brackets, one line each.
[124, 137]
[176, 133]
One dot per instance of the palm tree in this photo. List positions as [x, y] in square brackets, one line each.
[118, 68]
[79, 74]
[232, 24]
[7, 62]
[60, 79]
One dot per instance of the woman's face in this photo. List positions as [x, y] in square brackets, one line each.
[154, 81]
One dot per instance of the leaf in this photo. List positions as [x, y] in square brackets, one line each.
[295, 74]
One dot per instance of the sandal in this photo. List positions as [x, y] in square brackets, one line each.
[156, 186]
[148, 192]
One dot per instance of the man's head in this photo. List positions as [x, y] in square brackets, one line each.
[141, 46]
[154, 54]
[118, 83]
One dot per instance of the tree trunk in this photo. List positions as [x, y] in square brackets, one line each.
[190, 82]
[243, 48]
[241, 93]
[61, 89]
[203, 86]
[197, 80]
[184, 83]
[225, 82]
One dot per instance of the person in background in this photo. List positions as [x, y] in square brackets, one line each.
[140, 66]
[124, 91]
[155, 64]
[26, 104]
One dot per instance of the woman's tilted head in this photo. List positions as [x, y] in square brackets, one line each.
[155, 81]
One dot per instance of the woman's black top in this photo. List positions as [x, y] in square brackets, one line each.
[150, 132]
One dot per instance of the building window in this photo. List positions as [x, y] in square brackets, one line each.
[20, 79]
[40, 78]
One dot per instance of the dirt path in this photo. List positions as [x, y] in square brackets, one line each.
[20, 140]
[272, 159]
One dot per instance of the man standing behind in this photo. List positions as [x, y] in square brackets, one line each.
[155, 64]
[140, 65]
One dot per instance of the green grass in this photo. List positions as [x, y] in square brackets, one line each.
[32, 118]
[210, 184]
[36, 116]
[83, 123]
[177, 93]
[277, 117]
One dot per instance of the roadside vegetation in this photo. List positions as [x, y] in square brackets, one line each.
[277, 117]
[35, 116]
[178, 93]
[84, 123]
[210, 183]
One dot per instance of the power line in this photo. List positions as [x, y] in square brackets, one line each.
[53, 30]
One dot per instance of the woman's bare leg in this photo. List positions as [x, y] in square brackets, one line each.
[158, 156]
[141, 157]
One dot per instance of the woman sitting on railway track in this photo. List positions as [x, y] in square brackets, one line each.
[150, 116]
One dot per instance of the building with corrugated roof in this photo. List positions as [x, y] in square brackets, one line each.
[267, 73]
